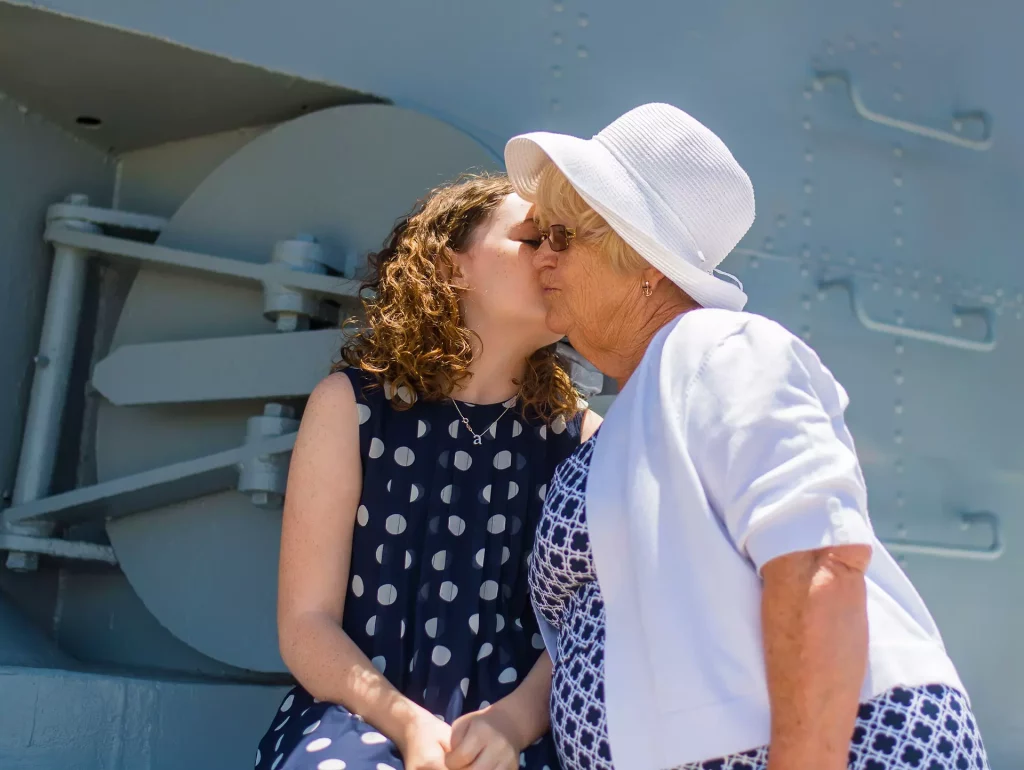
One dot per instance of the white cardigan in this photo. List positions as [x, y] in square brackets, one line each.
[726, 449]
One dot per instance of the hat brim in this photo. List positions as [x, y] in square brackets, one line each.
[607, 187]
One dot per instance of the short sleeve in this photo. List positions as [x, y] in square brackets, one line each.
[765, 429]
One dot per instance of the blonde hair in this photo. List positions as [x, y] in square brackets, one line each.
[558, 202]
[415, 342]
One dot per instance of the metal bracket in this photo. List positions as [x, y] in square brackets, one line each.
[144, 491]
[989, 552]
[77, 208]
[959, 118]
[898, 329]
[57, 548]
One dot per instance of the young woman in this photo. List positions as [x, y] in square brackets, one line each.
[415, 486]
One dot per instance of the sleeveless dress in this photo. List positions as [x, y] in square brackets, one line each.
[438, 596]
[926, 728]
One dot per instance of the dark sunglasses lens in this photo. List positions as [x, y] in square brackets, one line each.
[557, 238]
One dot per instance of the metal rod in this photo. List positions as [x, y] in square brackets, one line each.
[50, 381]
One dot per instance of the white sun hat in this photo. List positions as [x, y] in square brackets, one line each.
[664, 182]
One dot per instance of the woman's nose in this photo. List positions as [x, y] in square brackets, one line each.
[544, 257]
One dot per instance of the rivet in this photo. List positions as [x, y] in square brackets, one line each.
[897, 3]
[809, 156]
[805, 332]
[899, 467]
[898, 240]
[808, 94]
[582, 52]
[804, 272]
[754, 263]
[898, 291]
[805, 251]
[898, 270]
[556, 38]
[769, 244]
[821, 296]
[876, 286]
[558, 7]
[958, 126]
[807, 219]
[1020, 315]
[873, 49]
[899, 319]
[901, 530]
[915, 294]
[958, 321]
[898, 209]
[808, 188]
[897, 151]
[826, 255]
[999, 292]
[556, 71]
[898, 408]
[938, 279]
[830, 49]
[818, 84]
[897, 180]
[897, 436]
[584, 20]
[1020, 297]
[807, 124]
[878, 266]
[900, 502]
[897, 96]
[780, 221]
[806, 302]
[898, 377]
[897, 33]
[555, 105]
[851, 260]
[897, 64]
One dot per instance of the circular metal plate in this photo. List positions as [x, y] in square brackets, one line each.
[207, 568]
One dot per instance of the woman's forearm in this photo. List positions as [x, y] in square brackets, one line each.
[814, 620]
[527, 708]
[331, 667]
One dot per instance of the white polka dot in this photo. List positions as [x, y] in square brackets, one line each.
[311, 728]
[389, 390]
[280, 740]
[318, 745]
[493, 430]
[401, 632]
[277, 761]
[389, 485]
[517, 428]
[395, 524]
[331, 764]
[453, 429]
[499, 622]
[404, 393]
[379, 663]
[508, 676]
[446, 494]
[408, 559]
[371, 626]
[464, 686]
[456, 525]
[387, 594]
[503, 460]
[287, 703]
[479, 559]
[543, 432]
[373, 739]
[463, 460]
[259, 758]
[439, 560]
[414, 493]
[513, 489]
[485, 493]
[474, 623]
[357, 585]
[489, 590]
[448, 591]
[505, 555]
[376, 448]
[431, 628]
[558, 425]
[380, 554]
[543, 491]
[441, 655]
[421, 429]
[484, 704]
[537, 642]
[404, 456]
[496, 524]
[384, 766]
[364, 413]
[485, 649]
[362, 516]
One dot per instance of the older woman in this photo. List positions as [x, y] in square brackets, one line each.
[714, 594]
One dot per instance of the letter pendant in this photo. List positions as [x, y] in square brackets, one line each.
[478, 440]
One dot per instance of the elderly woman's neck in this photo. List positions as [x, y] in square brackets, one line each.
[620, 360]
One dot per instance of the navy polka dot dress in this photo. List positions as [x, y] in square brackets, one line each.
[438, 597]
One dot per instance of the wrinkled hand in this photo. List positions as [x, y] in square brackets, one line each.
[484, 740]
[426, 744]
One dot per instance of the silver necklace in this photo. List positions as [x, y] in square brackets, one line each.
[478, 438]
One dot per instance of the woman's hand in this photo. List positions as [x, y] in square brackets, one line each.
[425, 743]
[485, 740]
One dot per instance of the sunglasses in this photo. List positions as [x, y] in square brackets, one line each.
[558, 236]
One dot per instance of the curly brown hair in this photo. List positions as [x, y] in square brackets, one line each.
[413, 340]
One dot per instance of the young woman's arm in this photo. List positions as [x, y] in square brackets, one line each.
[324, 487]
